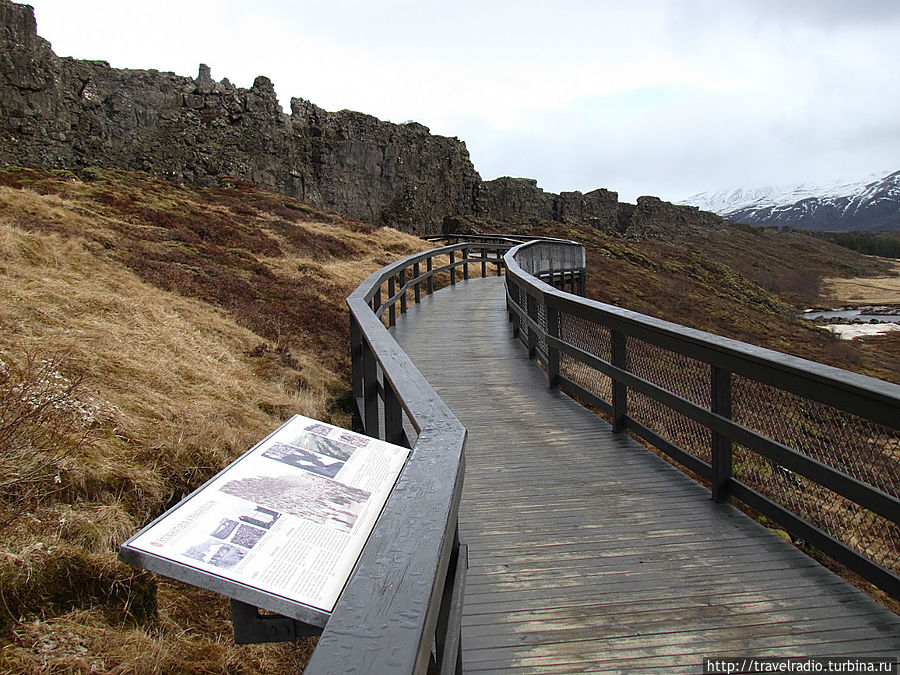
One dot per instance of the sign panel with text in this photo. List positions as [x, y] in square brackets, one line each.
[281, 526]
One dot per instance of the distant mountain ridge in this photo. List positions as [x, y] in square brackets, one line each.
[869, 204]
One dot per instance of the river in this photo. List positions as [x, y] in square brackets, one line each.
[854, 322]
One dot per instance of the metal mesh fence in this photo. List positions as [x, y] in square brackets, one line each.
[683, 432]
[518, 297]
[858, 447]
[855, 446]
[858, 527]
[681, 375]
[517, 294]
[542, 322]
[593, 339]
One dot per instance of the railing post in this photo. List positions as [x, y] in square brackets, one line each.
[721, 445]
[429, 282]
[417, 292]
[376, 301]
[531, 305]
[484, 252]
[499, 263]
[392, 308]
[403, 297]
[356, 370]
[370, 391]
[356, 357]
[513, 315]
[452, 268]
[393, 416]
[448, 633]
[465, 257]
[552, 352]
[619, 390]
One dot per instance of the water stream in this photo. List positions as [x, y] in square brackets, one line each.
[853, 322]
[861, 314]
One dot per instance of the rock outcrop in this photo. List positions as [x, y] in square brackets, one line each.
[64, 113]
[67, 113]
[652, 217]
[520, 199]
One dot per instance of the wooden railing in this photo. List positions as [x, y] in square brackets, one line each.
[813, 448]
[750, 421]
[401, 609]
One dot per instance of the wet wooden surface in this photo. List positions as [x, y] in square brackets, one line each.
[587, 553]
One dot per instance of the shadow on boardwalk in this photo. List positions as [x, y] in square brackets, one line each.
[587, 552]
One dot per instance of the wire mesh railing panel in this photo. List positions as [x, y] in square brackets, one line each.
[517, 294]
[586, 335]
[861, 529]
[678, 374]
[542, 322]
[519, 299]
[685, 433]
[858, 447]
[593, 339]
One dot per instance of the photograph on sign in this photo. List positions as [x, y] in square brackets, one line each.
[289, 518]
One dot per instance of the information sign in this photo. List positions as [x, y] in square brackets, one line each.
[282, 526]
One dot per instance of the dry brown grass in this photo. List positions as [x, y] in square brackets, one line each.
[880, 290]
[192, 323]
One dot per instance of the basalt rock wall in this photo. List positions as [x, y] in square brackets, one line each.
[511, 200]
[66, 113]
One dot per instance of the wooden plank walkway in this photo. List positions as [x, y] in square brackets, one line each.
[587, 553]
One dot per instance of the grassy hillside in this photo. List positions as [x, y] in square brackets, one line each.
[149, 334]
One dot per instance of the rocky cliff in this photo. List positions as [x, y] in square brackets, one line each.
[66, 113]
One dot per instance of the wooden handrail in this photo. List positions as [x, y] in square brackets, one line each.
[638, 353]
[400, 611]
[401, 607]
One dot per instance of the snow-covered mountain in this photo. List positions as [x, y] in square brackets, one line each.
[869, 204]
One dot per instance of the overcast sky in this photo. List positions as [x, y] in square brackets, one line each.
[660, 97]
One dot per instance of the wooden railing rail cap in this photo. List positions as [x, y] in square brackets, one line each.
[721, 350]
[387, 615]
[367, 289]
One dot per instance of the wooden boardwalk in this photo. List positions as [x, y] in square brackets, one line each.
[587, 553]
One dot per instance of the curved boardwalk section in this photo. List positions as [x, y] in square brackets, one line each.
[587, 553]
